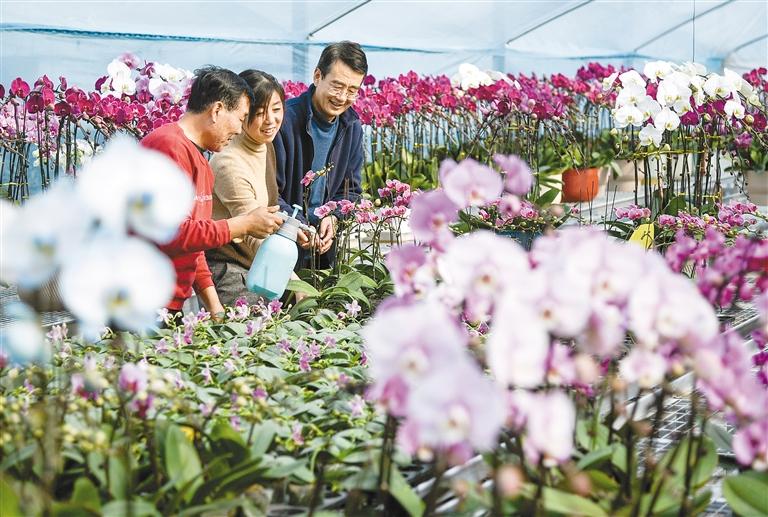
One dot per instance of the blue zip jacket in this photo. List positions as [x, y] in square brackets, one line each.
[294, 152]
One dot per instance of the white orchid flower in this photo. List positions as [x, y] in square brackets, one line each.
[682, 106]
[671, 91]
[666, 120]
[122, 86]
[738, 84]
[682, 80]
[118, 70]
[649, 106]
[630, 96]
[40, 235]
[692, 69]
[9, 217]
[656, 70]
[130, 187]
[650, 135]
[159, 89]
[733, 79]
[632, 78]
[626, 115]
[716, 86]
[497, 76]
[169, 73]
[22, 340]
[734, 109]
[116, 280]
[608, 81]
[697, 89]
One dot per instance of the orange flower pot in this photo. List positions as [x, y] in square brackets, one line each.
[580, 185]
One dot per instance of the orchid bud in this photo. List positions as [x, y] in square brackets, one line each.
[707, 117]
[618, 384]
[510, 481]
[666, 148]
[749, 120]
[581, 484]
[614, 131]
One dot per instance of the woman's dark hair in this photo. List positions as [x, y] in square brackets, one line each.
[213, 84]
[263, 85]
[348, 53]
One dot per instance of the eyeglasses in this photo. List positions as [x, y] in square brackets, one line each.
[341, 91]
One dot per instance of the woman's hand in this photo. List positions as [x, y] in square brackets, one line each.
[303, 240]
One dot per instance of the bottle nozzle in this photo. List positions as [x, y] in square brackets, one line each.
[296, 209]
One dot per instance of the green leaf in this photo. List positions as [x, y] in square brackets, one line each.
[218, 507]
[602, 482]
[17, 456]
[547, 197]
[72, 510]
[619, 458]
[596, 456]
[747, 493]
[236, 478]
[9, 503]
[590, 437]
[263, 434]
[181, 460]
[721, 437]
[118, 477]
[404, 494]
[570, 504]
[86, 494]
[228, 441]
[703, 466]
[300, 286]
[139, 508]
[284, 466]
[675, 205]
[354, 281]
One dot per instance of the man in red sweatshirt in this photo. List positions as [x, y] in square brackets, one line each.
[218, 104]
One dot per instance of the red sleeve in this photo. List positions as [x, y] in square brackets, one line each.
[203, 277]
[198, 235]
[193, 234]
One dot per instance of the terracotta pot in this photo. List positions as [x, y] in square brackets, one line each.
[580, 184]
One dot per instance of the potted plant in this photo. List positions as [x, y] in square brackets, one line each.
[584, 162]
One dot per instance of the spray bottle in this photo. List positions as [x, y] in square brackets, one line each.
[276, 257]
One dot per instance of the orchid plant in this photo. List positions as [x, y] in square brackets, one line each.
[686, 117]
[566, 333]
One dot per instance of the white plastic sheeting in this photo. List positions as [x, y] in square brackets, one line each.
[78, 39]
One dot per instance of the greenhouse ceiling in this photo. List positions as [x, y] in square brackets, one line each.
[78, 39]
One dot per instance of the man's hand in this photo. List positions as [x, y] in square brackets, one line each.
[259, 222]
[327, 233]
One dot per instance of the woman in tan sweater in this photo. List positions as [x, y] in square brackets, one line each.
[244, 174]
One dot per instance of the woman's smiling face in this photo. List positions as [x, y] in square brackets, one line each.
[267, 120]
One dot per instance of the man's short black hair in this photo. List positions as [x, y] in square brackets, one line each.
[348, 53]
[213, 84]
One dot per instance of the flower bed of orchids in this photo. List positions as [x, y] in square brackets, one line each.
[408, 361]
[349, 399]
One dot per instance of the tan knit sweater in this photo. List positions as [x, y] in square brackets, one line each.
[244, 179]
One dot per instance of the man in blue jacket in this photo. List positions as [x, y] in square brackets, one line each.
[321, 131]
